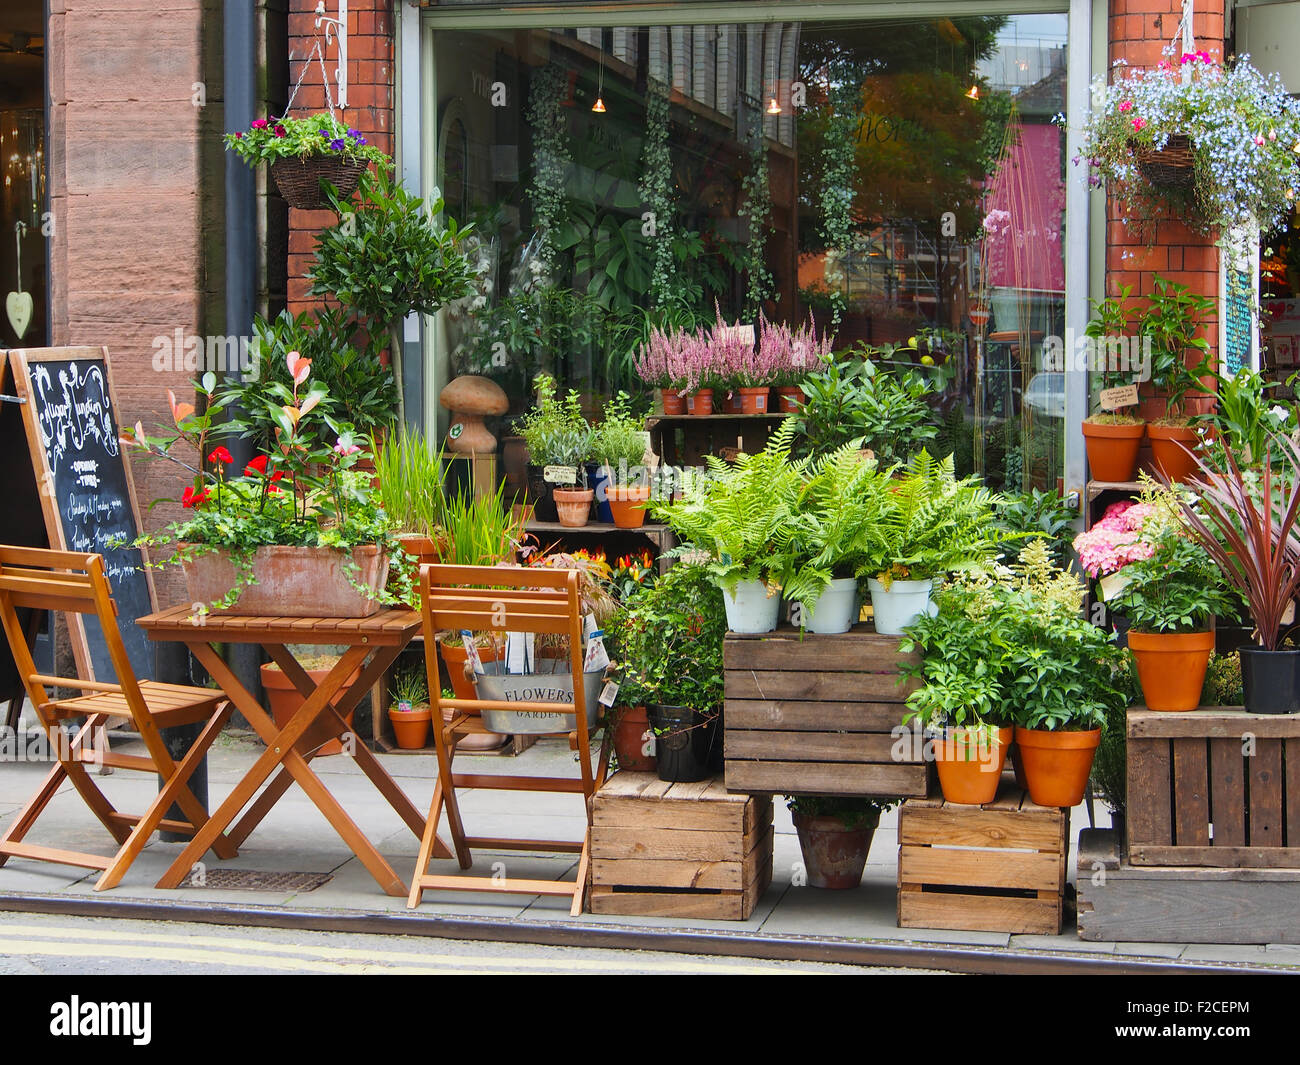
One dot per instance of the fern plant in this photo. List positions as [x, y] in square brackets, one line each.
[836, 526]
[932, 524]
[742, 515]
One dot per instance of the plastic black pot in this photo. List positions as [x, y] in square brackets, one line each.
[540, 492]
[598, 478]
[1271, 680]
[684, 739]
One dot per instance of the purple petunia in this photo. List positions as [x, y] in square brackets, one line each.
[361, 140]
[354, 133]
[338, 144]
[325, 133]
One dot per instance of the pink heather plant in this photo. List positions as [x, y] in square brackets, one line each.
[793, 354]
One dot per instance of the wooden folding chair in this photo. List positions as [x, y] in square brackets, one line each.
[72, 582]
[503, 599]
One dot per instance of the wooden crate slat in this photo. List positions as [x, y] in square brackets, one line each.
[772, 684]
[1291, 755]
[1266, 794]
[827, 778]
[1149, 813]
[1023, 870]
[809, 746]
[723, 906]
[979, 913]
[1191, 792]
[701, 816]
[1228, 792]
[1224, 857]
[669, 843]
[794, 715]
[676, 873]
[1212, 723]
[1035, 829]
[855, 651]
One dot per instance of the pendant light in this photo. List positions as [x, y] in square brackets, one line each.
[599, 106]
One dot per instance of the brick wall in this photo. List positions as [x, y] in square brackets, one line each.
[370, 106]
[1139, 30]
[125, 163]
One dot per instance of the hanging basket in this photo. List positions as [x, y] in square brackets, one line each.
[299, 179]
[1170, 167]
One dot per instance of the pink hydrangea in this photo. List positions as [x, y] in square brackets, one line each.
[1116, 540]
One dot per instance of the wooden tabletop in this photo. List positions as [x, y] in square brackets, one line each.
[383, 629]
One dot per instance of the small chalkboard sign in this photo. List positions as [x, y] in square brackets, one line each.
[83, 489]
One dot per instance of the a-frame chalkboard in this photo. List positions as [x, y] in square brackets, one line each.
[81, 486]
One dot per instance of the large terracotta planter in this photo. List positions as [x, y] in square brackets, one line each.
[673, 403]
[454, 656]
[754, 400]
[627, 504]
[700, 403]
[1112, 450]
[285, 699]
[969, 765]
[411, 727]
[1171, 667]
[1057, 764]
[631, 737]
[834, 854]
[421, 548]
[1173, 448]
[296, 582]
[573, 506]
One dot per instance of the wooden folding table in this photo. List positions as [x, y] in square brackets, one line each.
[379, 638]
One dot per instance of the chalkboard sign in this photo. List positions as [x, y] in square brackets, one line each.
[85, 490]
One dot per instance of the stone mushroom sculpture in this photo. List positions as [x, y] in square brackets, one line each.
[471, 399]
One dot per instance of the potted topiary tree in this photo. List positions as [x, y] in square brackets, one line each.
[835, 836]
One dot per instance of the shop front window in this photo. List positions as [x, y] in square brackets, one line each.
[899, 183]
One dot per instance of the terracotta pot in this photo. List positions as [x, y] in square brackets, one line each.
[293, 582]
[573, 506]
[1057, 764]
[673, 403]
[1017, 768]
[411, 727]
[701, 403]
[626, 503]
[632, 736]
[1172, 447]
[1171, 667]
[834, 854]
[421, 548]
[754, 400]
[285, 699]
[735, 403]
[969, 767]
[453, 657]
[788, 399]
[1112, 450]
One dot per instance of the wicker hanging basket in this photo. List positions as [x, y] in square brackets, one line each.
[1170, 167]
[299, 179]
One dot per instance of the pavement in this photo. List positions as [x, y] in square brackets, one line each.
[791, 921]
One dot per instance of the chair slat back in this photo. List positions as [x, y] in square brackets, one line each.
[69, 582]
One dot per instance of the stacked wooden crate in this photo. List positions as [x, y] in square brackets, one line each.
[999, 867]
[820, 714]
[678, 850]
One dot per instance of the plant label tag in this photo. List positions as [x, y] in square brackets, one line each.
[560, 474]
[519, 652]
[597, 656]
[608, 693]
[471, 650]
[1115, 398]
[1288, 616]
[1112, 584]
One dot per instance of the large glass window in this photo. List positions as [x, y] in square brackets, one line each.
[889, 180]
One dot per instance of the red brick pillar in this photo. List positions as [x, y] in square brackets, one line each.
[1139, 30]
[370, 105]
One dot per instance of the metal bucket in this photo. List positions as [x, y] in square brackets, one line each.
[553, 685]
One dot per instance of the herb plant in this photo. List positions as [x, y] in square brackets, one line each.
[854, 812]
[1178, 588]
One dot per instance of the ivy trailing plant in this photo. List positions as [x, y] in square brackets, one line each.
[656, 189]
[839, 179]
[551, 160]
[756, 186]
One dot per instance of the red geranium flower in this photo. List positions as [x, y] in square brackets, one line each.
[221, 455]
[279, 131]
[190, 498]
[259, 123]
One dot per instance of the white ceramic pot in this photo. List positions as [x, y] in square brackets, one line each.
[750, 608]
[835, 610]
[900, 605]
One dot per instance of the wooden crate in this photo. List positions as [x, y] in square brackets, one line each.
[1214, 787]
[993, 868]
[1125, 903]
[678, 850]
[815, 714]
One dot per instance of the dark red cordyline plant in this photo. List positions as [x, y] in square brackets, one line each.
[1256, 547]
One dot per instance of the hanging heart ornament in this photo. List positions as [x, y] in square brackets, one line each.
[18, 305]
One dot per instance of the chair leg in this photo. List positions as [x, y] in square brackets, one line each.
[28, 814]
[426, 846]
[584, 867]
